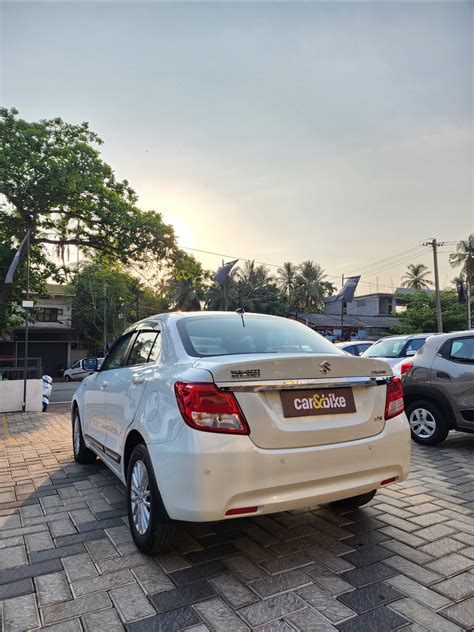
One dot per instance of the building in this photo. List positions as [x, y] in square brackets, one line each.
[368, 316]
[377, 304]
[51, 338]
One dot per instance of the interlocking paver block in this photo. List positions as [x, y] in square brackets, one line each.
[325, 604]
[218, 616]
[131, 603]
[235, 592]
[52, 588]
[106, 620]
[462, 613]
[271, 609]
[424, 616]
[79, 567]
[76, 607]
[56, 511]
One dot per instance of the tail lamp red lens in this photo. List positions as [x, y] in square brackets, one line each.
[394, 403]
[241, 510]
[205, 407]
[388, 481]
[405, 367]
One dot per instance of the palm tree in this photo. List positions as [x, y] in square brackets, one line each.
[464, 256]
[311, 286]
[416, 277]
[286, 277]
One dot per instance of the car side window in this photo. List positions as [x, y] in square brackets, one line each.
[76, 365]
[462, 350]
[117, 355]
[142, 347]
[414, 345]
[155, 350]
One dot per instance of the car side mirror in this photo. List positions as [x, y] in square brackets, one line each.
[90, 364]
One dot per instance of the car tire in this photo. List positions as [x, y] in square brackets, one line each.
[152, 529]
[354, 501]
[82, 454]
[67, 378]
[428, 424]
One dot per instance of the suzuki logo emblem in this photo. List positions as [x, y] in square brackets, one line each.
[325, 367]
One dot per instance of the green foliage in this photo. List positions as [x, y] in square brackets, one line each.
[420, 315]
[97, 286]
[54, 182]
[185, 282]
[296, 288]
[416, 277]
[464, 256]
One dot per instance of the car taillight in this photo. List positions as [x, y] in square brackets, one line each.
[205, 407]
[394, 402]
[405, 367]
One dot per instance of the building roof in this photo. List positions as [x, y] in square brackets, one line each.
[361, 322]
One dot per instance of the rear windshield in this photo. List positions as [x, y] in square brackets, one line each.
[227, 335]
[392, 348]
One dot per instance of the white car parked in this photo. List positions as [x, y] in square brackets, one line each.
[80, 369]
[212, 415]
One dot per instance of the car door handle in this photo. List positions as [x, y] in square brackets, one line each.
[104, 385]
[441, 375]
[138, 380]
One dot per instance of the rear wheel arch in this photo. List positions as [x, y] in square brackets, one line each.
[426, 393]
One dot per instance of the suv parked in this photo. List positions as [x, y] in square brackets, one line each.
[438, 385]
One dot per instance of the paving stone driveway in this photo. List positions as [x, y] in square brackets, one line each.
[67, 561]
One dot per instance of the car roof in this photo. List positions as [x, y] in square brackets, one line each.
[151, 321]
[407, 336]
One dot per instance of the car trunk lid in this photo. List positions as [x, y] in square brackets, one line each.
[296, 400]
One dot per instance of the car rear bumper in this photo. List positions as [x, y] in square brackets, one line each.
[201, 475]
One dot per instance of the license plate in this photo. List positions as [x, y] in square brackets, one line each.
[327, 401]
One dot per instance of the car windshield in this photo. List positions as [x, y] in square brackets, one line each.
[230, 334]
[390, 348]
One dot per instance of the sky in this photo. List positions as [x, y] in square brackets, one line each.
[334, 131]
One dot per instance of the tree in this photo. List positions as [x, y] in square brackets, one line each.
[311, 286]
[55, 184]
[184, 284]
[464, 256]
[286, 278]
[420, 315]
[109, 291]
[416, 277]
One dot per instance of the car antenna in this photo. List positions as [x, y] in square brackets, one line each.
[241, 312]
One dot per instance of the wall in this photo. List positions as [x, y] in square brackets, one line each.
[11, 395]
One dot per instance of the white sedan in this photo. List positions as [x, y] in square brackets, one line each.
[213, 415]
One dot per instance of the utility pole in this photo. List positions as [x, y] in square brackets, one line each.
[468, 284]
[342, 310]
[26, 306]
[105, 319]
[439, 316]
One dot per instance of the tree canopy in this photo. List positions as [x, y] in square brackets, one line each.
[416, 277]
[54, 182]
[420, 315]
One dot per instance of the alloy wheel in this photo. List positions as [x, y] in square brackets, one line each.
[423, 423]
[140, 497]
[76, 435]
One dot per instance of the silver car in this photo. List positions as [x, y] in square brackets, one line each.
[355, 347]
[394, 349]
[438, 385]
